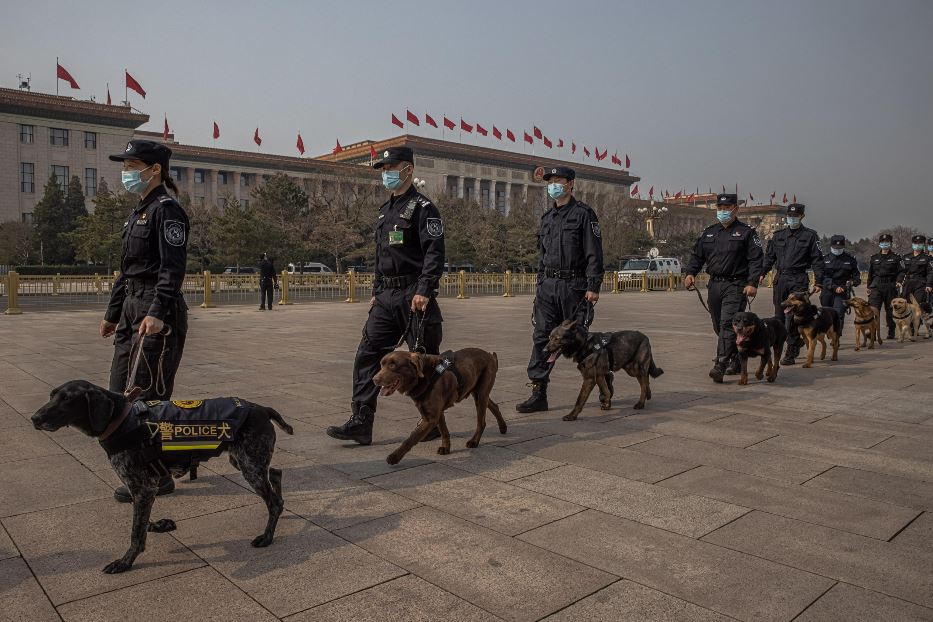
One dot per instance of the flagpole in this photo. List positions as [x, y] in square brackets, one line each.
[126, 91]
[56, 75]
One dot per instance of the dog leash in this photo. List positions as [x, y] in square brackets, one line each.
[136, 355]
[588, 311]
[418, 322]
[694, 288]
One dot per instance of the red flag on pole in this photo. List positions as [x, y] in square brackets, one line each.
[496, 132]
[131, 83]
[586, 152]
[528, 139]
[63, 74]
[678, 195]
[466, 127]
[256, 138]
[784, 200]
[397, 121]
[615, 158]
[723, 189]
[510, 135]
[560, 143]
[651, 192]
[338, 148]
[750, 197]
[165, 130]
[602, 157]
[450, 125]
[548, 143]
[537, 132]
[481, 130]
[573, 147]
[372, 154]
[634, 190]
[108, 96]
[300, 144]
[773, 194]
[412, 118]
[795, 199]
[216, 131]
[429, 120]
[628, 162]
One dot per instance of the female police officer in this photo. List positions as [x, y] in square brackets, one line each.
[146, 297]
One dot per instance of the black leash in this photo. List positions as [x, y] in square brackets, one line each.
[588, 311]
[694, 288]
[416, 319]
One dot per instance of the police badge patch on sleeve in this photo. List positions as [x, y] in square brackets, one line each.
[595, 226]
[174, 232]
[435, 227]
[756, 240]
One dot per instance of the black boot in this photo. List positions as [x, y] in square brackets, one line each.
[359, 427]
[538, 400]
[735, 366]
[793, 351]
[890, 332]
[166, 487]
[717, 372]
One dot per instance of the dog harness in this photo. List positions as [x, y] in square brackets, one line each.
[901, 317]
[862, 322]
[446, 365]
[594, 343]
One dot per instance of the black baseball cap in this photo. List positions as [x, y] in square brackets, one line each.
[560, 171]
[885, 237]
[918, 239]
[147, 151]
[727, 199]
[796, 209]
[393, 155]
[837, 240]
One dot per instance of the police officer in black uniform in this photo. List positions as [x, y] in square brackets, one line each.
[731, 252]
[918, 271]
[570, 274]
[409, 263]
[793, 250]
[885, 271]
[268, 280]
[840, 274]
[147, 296]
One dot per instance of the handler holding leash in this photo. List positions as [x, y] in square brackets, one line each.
[409, 263]
[918, 271]
[147, 297]
[840, 275]
[885, 271]
[570, 270]
[731, 252]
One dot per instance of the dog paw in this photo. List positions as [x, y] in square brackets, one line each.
[759, 375]
[472, 444]
[605, 405]
[742, 383]
[261, 541]
[639, 406]
[807, 366]
[393, 459]
[570, 417]
[163, 525]
[443, 451]
[117, 566]
[503, 429]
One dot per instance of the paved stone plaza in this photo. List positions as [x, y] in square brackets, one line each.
[808, 499]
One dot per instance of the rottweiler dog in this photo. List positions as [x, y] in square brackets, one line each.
[814, 324]
[134, 442]
[764, 338]
[437, 382]
[867, 323]
[596, 354]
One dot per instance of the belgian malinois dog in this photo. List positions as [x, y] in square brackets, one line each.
[867, 323]
[815, 324]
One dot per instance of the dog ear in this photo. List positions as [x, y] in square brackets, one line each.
[572, 324]
[99, 409]
[418, 362]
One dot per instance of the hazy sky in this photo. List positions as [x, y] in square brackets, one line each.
[828, 100]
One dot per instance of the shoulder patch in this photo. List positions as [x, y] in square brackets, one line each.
[595, 226]
[756, 240]
[424, 201]
[409, 210]
[164, 198]
[175, 232]
[434, 227]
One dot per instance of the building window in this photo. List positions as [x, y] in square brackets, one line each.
[222, 177]
[58, 137]
[199, 201]
[175, 172]
[90, 182]
[61, 176]
[90, 140]
[198, 176]
[244, 203]
[244, 179]
[27, 177]
[27, 218]
[27, 134]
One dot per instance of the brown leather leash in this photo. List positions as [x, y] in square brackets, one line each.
[133, 390]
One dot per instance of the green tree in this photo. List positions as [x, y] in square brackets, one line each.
[48, 217]
[98, 237]
[521, 231]
[341, 222]
[284, 210]
[241, 235]
[17, 241]
[204, 244]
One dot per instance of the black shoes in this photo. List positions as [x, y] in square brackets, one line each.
[735, 367]
[890, 333]
[359, 427]
[717, 372]
[538, 400]
[166, 487]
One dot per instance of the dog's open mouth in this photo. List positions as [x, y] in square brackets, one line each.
[389, 389]
[740, 338]
[788, 310]
[553, 356]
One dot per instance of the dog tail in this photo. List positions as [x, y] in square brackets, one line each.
[279, 421]
[654, 371]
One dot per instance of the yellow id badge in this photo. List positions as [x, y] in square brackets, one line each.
[396, 237]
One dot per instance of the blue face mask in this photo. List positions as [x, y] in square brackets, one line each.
[392, 180]
[837, 251]
[556, 191]
[917, 247]
[884, 245]
[930, 249]
[133, 182]
[793, 221]
[724, 215]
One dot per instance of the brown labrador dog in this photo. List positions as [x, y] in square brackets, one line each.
[867, 324]
[437, 382]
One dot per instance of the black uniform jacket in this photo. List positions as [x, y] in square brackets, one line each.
[417, 246]
[885, 269]
[732, 252]
[793, 251]
[839, 270]
[569, 239]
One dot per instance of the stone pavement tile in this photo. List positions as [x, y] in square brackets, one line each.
[350, 507]
[486, 502]
[21, 598]
[27, 403]
[865, 459]
[7, 548]
[46, 482]
[898, 428]
[22, 443]
[900, 446]
[67, 547]
[654, 505]
[732, 583]
[823, 507]
[843, 437]
[769, 411]
[919, 534]
[848, 603]
[774, 466]
[879, 566]
[668, 426]
[906, 492]
[625, 601]
[897, 407]
[407, 598]
[509, 578]
[499, 463]
[85, 449]
[605, 458]
[201, 594]
[326, 566]
[582, 429]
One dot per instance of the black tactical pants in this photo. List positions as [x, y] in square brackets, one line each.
[161, 354]
[388, 319]
[725, 299]
[556, 300]
[829, 298]
[266, 286]
[784, 285]
[880, 297]
[917, 287]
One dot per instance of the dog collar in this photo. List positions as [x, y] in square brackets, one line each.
[867, 321]
[115, 423]
[901, 317]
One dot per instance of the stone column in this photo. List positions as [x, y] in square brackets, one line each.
[460, 181]
[189, 172]
[236, 185]
[476, 191]
[214, 197]
[508, 197]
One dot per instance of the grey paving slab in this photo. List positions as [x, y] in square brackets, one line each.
[840, 435]
[67, 547]
[7, 548]
[349, 507]
[848, 603]
[898, 428]
[903, 491]
[605, 458]
[201, 594]
[511, 579]
[48, 481]
[496, 505]
[407, 598]
[880, 566]
[823, 507]
[501, 463]
[22, 443]
[901, 446]
[919, 534]
[550, 424]
[21, 597]
[326, 566]
[668, 426]
[651, 504]
[725, 581]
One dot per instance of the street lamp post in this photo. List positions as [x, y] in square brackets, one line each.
[651, 214]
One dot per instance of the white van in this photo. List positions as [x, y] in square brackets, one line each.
[633, 269]
[309, 267]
